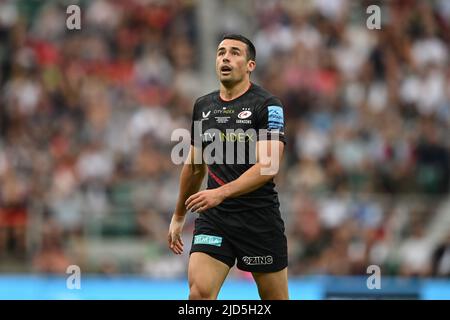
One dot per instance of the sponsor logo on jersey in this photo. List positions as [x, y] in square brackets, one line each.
[237, 137]
[225, 111]
[259, 260]
[248, 136]
[208, 136]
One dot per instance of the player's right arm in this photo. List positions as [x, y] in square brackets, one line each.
[191, 178]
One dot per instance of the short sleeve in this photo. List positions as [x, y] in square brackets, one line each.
[196, 135]
[270, 120]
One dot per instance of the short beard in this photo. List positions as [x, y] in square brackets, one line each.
[229, 83]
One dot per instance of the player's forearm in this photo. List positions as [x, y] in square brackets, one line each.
[249, 181]
[191, 179]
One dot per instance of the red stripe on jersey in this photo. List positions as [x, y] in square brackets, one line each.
[216, 178]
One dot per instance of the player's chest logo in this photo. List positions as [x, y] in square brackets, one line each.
[243, 116]
[223, 115]
[205, 115]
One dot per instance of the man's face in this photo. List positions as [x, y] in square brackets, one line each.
[232, 65]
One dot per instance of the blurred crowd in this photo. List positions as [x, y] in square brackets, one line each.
[86, 119]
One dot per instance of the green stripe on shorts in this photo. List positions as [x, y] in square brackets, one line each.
[207, 239]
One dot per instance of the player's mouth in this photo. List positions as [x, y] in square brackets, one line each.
[225, 70]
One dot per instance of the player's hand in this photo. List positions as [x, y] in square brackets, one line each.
[174, 237]
[204, 200]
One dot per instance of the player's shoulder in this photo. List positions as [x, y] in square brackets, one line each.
[263, 95]
[260, 91]
[207, 98]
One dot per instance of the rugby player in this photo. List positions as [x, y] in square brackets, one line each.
[239, 217]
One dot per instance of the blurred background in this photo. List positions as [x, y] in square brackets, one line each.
[86, 118]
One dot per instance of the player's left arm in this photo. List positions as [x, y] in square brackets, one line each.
[269, 156]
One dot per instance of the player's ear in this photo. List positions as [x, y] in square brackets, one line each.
[251, 65]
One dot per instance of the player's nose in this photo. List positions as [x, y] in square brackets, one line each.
[226, 57]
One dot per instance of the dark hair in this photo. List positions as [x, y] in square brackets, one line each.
[251, 51]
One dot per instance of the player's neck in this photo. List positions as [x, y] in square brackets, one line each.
[234, 92]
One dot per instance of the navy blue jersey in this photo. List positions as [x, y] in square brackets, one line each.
[236, 125]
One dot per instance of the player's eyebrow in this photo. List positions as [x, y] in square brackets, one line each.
[232, 48]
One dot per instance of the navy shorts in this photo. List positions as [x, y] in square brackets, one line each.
[255, 238]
